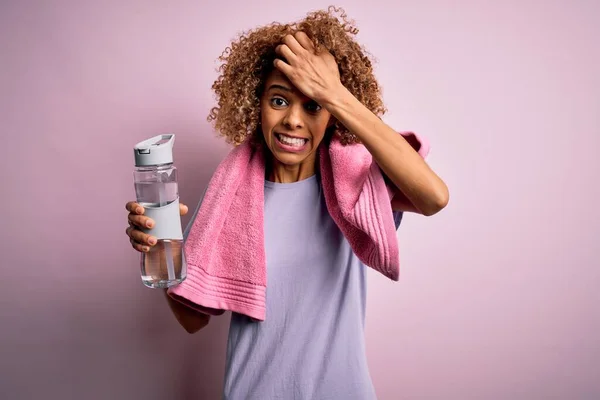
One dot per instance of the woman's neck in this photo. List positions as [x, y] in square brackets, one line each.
[282, 173]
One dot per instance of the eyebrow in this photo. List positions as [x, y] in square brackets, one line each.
[277, 86]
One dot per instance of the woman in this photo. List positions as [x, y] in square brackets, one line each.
[290, 89]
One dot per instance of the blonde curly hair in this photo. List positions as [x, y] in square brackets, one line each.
[247, 63]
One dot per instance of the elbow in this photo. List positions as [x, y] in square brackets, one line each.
[193, 325]
[189, 318]
[191, 329]
[438, 202]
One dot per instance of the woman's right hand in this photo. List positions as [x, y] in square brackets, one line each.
[139, 240]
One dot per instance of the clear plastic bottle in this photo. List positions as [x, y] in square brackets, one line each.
[155, 179]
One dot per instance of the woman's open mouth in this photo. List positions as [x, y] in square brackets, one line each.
[289, 143]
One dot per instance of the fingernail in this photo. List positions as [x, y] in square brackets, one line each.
[152, 241]
[138, 210]
[149, 224]
[145, 248]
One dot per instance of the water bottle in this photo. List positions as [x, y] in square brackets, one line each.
[155, 179]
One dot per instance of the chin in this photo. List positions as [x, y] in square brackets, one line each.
[289, 159]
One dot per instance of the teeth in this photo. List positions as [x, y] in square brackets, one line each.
[291, 141]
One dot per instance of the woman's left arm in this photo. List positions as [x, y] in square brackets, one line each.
[317, 76]
[421, 189]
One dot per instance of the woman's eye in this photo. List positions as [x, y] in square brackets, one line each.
[278, 102]
[313, 107]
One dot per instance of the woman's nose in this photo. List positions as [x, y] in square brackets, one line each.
[293, 118]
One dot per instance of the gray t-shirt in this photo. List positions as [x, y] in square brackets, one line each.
[311, 345]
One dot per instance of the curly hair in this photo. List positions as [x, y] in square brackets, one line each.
[247, 63]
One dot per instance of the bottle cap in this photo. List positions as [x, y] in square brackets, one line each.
[154, 151]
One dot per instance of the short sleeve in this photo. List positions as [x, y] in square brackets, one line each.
[397, 218]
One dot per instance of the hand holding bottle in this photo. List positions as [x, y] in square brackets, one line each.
[139, 240]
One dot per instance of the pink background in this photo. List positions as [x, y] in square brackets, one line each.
[498, 297]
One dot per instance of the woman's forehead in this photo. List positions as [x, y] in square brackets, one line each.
[278, 79]
[277, 76]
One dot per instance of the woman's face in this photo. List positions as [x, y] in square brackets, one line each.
[293, 125]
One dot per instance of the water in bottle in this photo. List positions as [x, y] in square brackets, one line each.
[155, 179]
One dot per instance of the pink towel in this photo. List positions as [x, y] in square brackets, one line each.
[225, 250]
